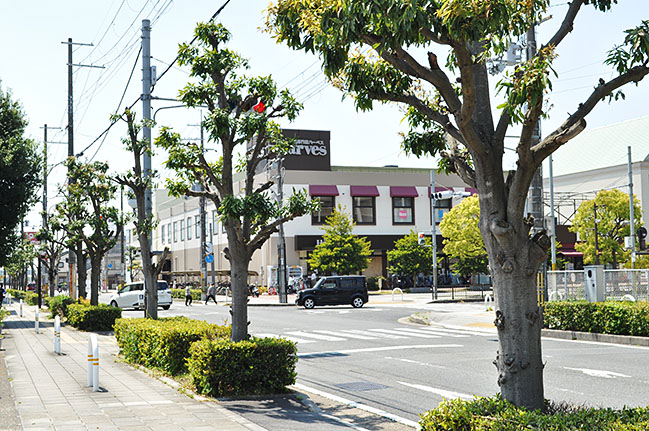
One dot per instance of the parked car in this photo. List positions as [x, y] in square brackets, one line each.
[31, 286]
[132, 296]
[335, 290]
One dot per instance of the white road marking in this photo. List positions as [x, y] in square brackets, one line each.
[410, 361]
[570, 391]
[441, 392]
[345, 334]
[437, 333]
[400, 334]
[354, 404]
[378, 349]
[598, 373]
[358, 331]
[293, 339]
[459, 331]
[316, 336]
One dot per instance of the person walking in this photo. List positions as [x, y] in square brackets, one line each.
[188, 295]
[2, 294]
[211, 292]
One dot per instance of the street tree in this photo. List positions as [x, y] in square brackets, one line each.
[610, 210]
[21, 256]
[19, 173]
[242, 113]
[340, 252]
[462, 238]
[51, 245]
[387, 51]
[139, 182]
[134, 264]
[408, 257]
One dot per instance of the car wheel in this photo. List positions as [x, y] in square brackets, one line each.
[309, 303]
[166, 307]
[113, 304]
[357, 302]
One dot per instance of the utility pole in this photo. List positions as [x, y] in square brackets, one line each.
[433, 230]
[122, 266]
[70, 64]
[536, 188]
[631, 210]
[596, 243]
[553, 233]
[202, 203]
[281, 243]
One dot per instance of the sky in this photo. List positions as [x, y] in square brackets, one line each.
[33, 68]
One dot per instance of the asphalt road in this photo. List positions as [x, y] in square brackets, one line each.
[371, 357]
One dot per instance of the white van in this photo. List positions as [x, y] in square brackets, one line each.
[132, 296]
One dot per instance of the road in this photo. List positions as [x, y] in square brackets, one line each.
[373, 357]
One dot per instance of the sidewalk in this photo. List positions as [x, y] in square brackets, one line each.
[51, 392]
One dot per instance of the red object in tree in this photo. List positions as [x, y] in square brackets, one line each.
[259, 107]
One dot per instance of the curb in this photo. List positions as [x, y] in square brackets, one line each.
[629, 340]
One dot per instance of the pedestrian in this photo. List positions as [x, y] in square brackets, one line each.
[188, 295]
[211, 292]
[314, 278]
[2, 294]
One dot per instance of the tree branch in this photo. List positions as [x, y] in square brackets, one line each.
[459, 161]
[566, 25]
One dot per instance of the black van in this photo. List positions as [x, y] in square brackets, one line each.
[335, 290]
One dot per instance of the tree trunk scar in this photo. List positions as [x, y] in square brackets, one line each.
[500, 320]
[532, 317]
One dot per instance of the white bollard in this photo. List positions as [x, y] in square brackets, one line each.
[57, 335]
[93, 362]
[488, 300]
[395, 291]
[90, 359]
[36, 320]
[21, 308]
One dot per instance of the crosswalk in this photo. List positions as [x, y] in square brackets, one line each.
[401, 333]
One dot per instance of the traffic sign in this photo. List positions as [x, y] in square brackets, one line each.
[209, 258]
[110, 265]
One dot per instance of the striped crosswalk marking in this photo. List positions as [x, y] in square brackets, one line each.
[401, 333]
[293, 339]
[347, 334]
[458, 331]
[316, 336]
[426, 331]
[373, 334]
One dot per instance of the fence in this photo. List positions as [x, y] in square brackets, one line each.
[569, 285]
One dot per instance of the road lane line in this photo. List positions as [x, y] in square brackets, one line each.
[598, 373]
[441, 392]
[345, 334]
[293, 339]
[354, 404]
[316, 336]
[458, 331]
[376, 349]
[437, 333]
[401, 334]
[410, 361]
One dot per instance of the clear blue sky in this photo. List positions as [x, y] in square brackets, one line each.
[34, 68]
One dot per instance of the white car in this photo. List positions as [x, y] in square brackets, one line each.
[132, 296]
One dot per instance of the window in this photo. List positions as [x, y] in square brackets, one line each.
[189, 228]
[182, 230]
[442, 206]
[197, 220]
[327, 205]
[169, 233]
[364, 210]
[215, 222]
[403, 210]
[162, 233]
[175, 231]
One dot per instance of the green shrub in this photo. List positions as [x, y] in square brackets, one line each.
[163, 343]
[31, 298]
[619, 318]
[483, 414]
[58, 305]
[252, 367]
[16, 294]
[180, 293]
[92, 317]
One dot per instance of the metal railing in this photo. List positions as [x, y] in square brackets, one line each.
[618, 283]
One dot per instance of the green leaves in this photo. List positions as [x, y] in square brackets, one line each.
[633, 52]
[408, 257]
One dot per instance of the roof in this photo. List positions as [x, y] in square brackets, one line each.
[602, 147]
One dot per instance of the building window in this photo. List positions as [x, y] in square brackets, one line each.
[327, 205]
[442, 206]
[189, 228]
[162, 233]
[215, 223]
[364, 210]
[182, 230]
[169, 233]
[403, 210]
[197, 222]
[175, 231]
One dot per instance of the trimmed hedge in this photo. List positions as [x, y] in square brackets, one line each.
[180, 293]
[483, 414]
[163, 343]
[17, 294]
[251, 367]
[92, 317]
[618, 318]
[58, 305]
[28, 296]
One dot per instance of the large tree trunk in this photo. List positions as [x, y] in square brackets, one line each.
[51, 274]
[239, 261]
[150, 282]
[95, 272]
[82, 273]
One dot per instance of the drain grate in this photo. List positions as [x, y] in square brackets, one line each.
[360, 386]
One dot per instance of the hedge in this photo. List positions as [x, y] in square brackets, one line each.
[163, 343]
[28, 296]
[493, 413]
[92, 317]
[252, 367]
[58, 305]
[180, 293]
[619, 318]
[17, 294]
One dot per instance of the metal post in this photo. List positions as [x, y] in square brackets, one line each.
[434, 230]
[57, 335]
[150, 287]
[212, 227]
[36, 323]
[553, 238]
[71, 250]
[281, 244]
[596, 243]
[122, 258]
[632, 221]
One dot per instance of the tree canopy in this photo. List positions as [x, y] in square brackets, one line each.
[340, 252]
[409, 258]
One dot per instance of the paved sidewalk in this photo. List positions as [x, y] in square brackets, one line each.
[51, 392]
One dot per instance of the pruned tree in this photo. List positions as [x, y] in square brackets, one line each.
[611, 210]
[139, 181]
[450, 115]
[52, 244]
[242, 114]
[409, 257]
[341, 251]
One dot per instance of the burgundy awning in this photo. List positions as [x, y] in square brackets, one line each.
[364, 191]
[439, 189]
[323, 190]
[403, 192]
[570, 253]
[471, 190]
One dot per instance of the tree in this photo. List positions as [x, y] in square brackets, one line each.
[448, 108]
[21, 256]
[242, 111]
[134, 264]
[462, 238]
[408, 257]
[139, 182]
[340, 252]
[612, 208]
[19, 174]
[52, 244]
